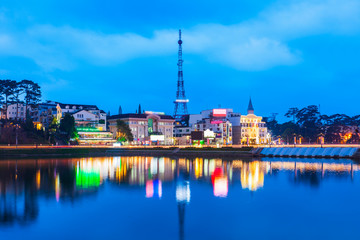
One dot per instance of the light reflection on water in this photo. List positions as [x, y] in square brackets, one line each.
[25, 183]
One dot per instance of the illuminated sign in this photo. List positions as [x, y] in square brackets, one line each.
[151, 112]
[157, 138]
[219, 112]
[216, 122]
[209, 134]
[87, 129]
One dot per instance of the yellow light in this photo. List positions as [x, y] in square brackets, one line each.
[38, 178]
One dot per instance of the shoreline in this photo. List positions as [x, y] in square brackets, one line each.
[104, 152]
[70, 152]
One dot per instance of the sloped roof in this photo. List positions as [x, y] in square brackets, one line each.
[80, 110]
[84, 106]
[250, 107]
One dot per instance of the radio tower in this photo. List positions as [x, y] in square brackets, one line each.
[181, 101]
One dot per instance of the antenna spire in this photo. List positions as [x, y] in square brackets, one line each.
[181, 101]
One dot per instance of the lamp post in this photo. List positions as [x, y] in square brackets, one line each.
[16, 134]
[294, 139]
[321, 138]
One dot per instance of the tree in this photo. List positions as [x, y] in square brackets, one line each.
[123, 132]
[32, 93]
[29, 124]
[7, 88]
[287, 131]
[53, 127]
[67, 125]
[309, 121]
[15, 97]
[292, 112]
[308, 114]
[272, 125]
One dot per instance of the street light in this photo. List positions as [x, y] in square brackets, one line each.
[16, 134]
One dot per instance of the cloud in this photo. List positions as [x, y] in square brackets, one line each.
[302, 18]
[54, 84]
[257, 44]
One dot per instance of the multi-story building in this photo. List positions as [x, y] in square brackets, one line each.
[84, 115]
[253, 129]
[224, 126]
[16, 111]
[146, 127]
[46, 112]
[217, 122]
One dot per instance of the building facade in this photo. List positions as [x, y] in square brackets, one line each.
[253, 129]
[147, 127]
[16, 111]
[216, 121]
[84, 115]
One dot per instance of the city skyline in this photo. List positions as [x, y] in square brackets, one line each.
[282, 54]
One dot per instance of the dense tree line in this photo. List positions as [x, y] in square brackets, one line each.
[24, 92]
[19, 130]
[309, 125]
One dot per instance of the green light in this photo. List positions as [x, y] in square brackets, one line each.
[87, 129]
[87, 179]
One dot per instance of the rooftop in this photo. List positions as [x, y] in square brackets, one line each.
[135, 115]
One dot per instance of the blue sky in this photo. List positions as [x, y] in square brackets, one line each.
[281, 53]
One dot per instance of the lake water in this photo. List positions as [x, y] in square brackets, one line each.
[164, 198]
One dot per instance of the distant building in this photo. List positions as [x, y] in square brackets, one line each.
[16, 111]
[182, 130]
[146, 127]
[46, 112]
[215, 121]
[84, 115]
[253, 129]
[92, 135]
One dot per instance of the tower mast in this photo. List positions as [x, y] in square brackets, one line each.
[181, 101]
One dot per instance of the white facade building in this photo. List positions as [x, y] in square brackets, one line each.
[215, 120]
[253, 129]
[16, 111]
[147, 127]
[84, 115]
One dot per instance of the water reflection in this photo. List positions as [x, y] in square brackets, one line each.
[23, 182]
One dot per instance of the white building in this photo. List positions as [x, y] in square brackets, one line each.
[253, 129]
[16, 111]
[146, 127]
[217, 121]
[84, 115]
